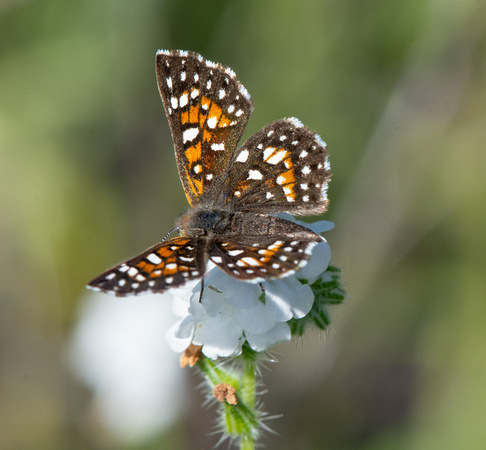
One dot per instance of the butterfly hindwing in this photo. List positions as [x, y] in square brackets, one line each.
[263, 247]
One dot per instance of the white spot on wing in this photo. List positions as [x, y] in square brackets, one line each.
[244, 92]
[243, 156]
[186, 259]
[295, 122]
[154, 259]
[275, 246]
[183, 100]
[190, 134]
[250, 261]
[254, 175]
[169, 82]
[269, 151]
[212, 121]
[217, 146]
[277, 157]
[174, 102]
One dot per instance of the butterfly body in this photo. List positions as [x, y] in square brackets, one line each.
[233, 191]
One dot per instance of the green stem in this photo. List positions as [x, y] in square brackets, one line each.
[248, 388]
[247, 443]
[248, 393]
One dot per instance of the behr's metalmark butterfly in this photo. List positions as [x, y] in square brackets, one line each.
[233, 191]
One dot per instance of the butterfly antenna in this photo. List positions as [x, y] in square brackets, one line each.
[169, 233]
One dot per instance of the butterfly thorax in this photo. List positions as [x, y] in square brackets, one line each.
[204, 221]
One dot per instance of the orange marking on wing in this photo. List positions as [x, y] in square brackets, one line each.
[191, 116]
[193, 153]
[215, 111]
[170, 271]
[207, 136]
[288, 177]
[205, 102]
[164, 252]
[224, 121]
[194, 113]
[198, 184]
[202, 119]
[146, 267]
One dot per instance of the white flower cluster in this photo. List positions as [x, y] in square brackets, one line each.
[231, 313]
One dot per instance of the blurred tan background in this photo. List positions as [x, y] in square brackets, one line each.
[88, 178]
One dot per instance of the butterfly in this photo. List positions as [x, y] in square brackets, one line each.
[234, 193]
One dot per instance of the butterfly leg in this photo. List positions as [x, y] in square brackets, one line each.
[202, 290]
[262, 288]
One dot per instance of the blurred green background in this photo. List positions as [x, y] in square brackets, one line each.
[88, 178]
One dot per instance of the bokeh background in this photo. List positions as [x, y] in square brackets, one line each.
[88, 178]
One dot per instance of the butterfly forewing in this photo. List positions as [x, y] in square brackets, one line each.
[168, 264]
[283, 167]
[207, 109]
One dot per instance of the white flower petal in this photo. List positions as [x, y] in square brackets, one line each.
[212, 302]
[255, 319]
[260, 342]
[185, 327]
[321, 226]
[236, 293]
[320, 259]
[219, 336]
[287, 298]
[179, 341]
